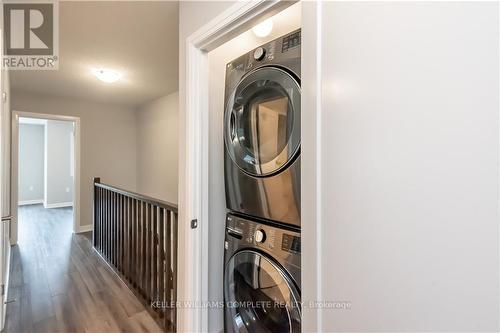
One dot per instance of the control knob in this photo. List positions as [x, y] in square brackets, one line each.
[260, 236]
[259, 53]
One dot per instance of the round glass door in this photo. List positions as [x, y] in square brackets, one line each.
[260, 297]
[262, 121]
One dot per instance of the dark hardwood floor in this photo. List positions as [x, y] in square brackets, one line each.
[59, 284]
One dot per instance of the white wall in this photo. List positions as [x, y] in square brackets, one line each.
[284, 22]
[59, 168]
[410, 172]
[157, 148]
[108, 141]
[31, 163]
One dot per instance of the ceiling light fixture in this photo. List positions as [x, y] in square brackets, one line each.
[263, 29]
[106, 75]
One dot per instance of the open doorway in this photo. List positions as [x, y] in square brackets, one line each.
[221, 47]
[45, 175]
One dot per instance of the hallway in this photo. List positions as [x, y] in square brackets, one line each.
[59, 284]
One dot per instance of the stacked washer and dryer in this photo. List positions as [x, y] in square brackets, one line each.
[262, 179]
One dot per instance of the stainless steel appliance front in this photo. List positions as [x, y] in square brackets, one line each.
[261, 278]
[262, 131]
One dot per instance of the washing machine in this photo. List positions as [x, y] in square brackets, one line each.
[262, 131]
[261, 277]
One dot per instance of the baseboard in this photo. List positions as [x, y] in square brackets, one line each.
[85, 228]
[30, 202]
[58, 205]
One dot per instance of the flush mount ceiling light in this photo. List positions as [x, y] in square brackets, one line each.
[263, 29]
[106, 75]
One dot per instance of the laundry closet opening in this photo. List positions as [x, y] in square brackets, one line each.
[254, 158]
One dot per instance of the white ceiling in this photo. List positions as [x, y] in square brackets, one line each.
[138, 39]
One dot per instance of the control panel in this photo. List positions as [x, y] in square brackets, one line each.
[284, 50]
[290, 243]
[291, 41]
[265, 236]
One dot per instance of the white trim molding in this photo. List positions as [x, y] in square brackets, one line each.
[30, 202]
[58, 205]
[311, 163]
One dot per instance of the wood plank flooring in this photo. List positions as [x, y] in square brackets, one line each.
[59, 284]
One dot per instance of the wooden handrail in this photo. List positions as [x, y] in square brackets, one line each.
[156, 202]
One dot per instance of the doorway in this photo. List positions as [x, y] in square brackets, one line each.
[45, 170]
[197, 182]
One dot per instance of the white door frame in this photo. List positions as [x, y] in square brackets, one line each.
[15, 167]
[193, 243]
[4, 225]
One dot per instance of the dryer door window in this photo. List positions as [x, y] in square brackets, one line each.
[260, 296]
[262, 121]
